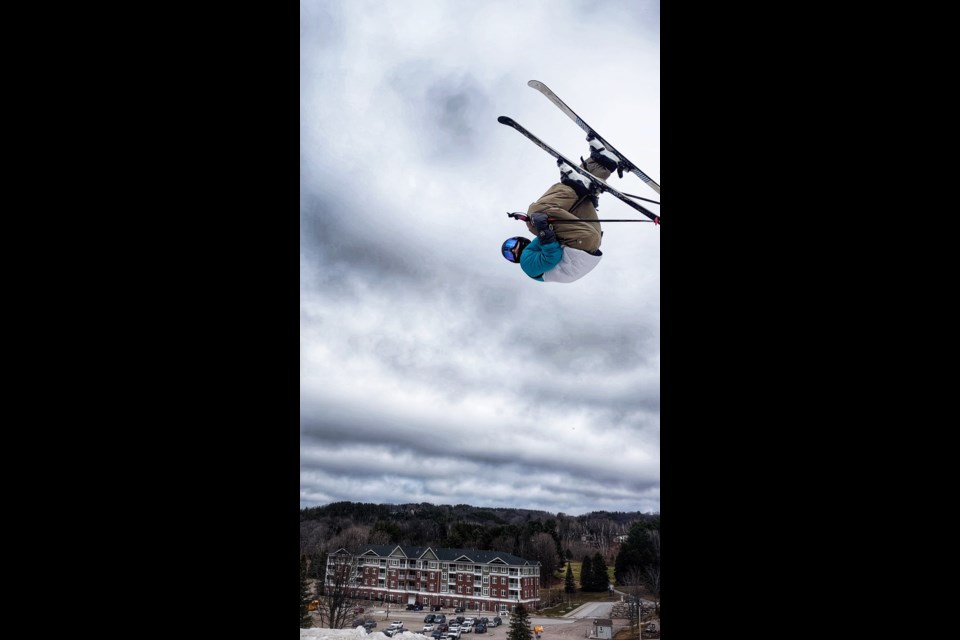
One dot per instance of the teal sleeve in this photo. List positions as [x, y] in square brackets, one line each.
[537, 259]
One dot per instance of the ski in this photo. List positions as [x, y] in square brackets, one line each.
[552, 97]
[597, 182]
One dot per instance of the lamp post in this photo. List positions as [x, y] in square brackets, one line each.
[639, 604]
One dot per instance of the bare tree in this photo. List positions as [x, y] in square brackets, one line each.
[634, 585]
[336, 603]
[312, 536]
[380, 537]
[545, 550]
[652, 571]
[601, 530]
[352, 538]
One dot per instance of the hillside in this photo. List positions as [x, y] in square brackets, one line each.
[523, 532]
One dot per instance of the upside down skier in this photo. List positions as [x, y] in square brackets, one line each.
[572, 250]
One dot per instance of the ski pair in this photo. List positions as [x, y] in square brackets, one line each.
[624, 163]
[599, 184]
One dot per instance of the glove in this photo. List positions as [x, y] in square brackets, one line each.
[544, 228]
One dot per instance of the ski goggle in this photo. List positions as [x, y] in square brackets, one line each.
[508, 249]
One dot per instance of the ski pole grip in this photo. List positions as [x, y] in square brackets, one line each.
[518, 216]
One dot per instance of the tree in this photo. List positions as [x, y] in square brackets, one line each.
[336, 606]
[586, 575]
[639, 558]
[545, 550]
[569, 585]
[633, 583]
[600, 581]
[317, 571]
[651, 572]
[305, 620]
[520, 624]
[639, 551]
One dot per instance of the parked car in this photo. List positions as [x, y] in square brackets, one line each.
[479, 628]
[396, 624]
[427, 628]
[496, 622]
[458, 610]
[439, 618]
[454, 633]
[357, 610]
[428, 618]
[370, 624]
[393, 631]
[435, 607]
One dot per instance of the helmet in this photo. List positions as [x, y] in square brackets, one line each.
[513, 247]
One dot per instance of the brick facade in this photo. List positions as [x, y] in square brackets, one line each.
[479, 581]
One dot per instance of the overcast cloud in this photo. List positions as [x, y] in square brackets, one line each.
[432, 370]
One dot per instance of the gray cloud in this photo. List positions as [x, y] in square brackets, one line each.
[431, 369]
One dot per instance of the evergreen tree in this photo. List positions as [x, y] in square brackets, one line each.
[586, 574]
[600, 580]
[305, 620]
[639, 552]
[520, 624]
[569, 585]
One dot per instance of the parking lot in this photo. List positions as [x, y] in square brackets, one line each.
[576, 625]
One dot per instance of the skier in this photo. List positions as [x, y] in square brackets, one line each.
[571, 250]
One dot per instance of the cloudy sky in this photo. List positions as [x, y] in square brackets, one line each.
[431, 369]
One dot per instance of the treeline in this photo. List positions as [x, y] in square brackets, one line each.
[551, 539]
[539, 536]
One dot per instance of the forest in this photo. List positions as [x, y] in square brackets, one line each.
[629, 541]
[549, 538]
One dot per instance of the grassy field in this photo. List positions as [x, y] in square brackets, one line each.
[570, 601]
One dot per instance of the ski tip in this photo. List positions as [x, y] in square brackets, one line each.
[533, 83]
[505, 120]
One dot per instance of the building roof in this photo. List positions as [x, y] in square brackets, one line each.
[440, 553]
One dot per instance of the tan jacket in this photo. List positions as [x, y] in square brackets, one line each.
[556, 203]
[561, 201]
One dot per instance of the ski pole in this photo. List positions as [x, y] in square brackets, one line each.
[639, 197]
[525, 217]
